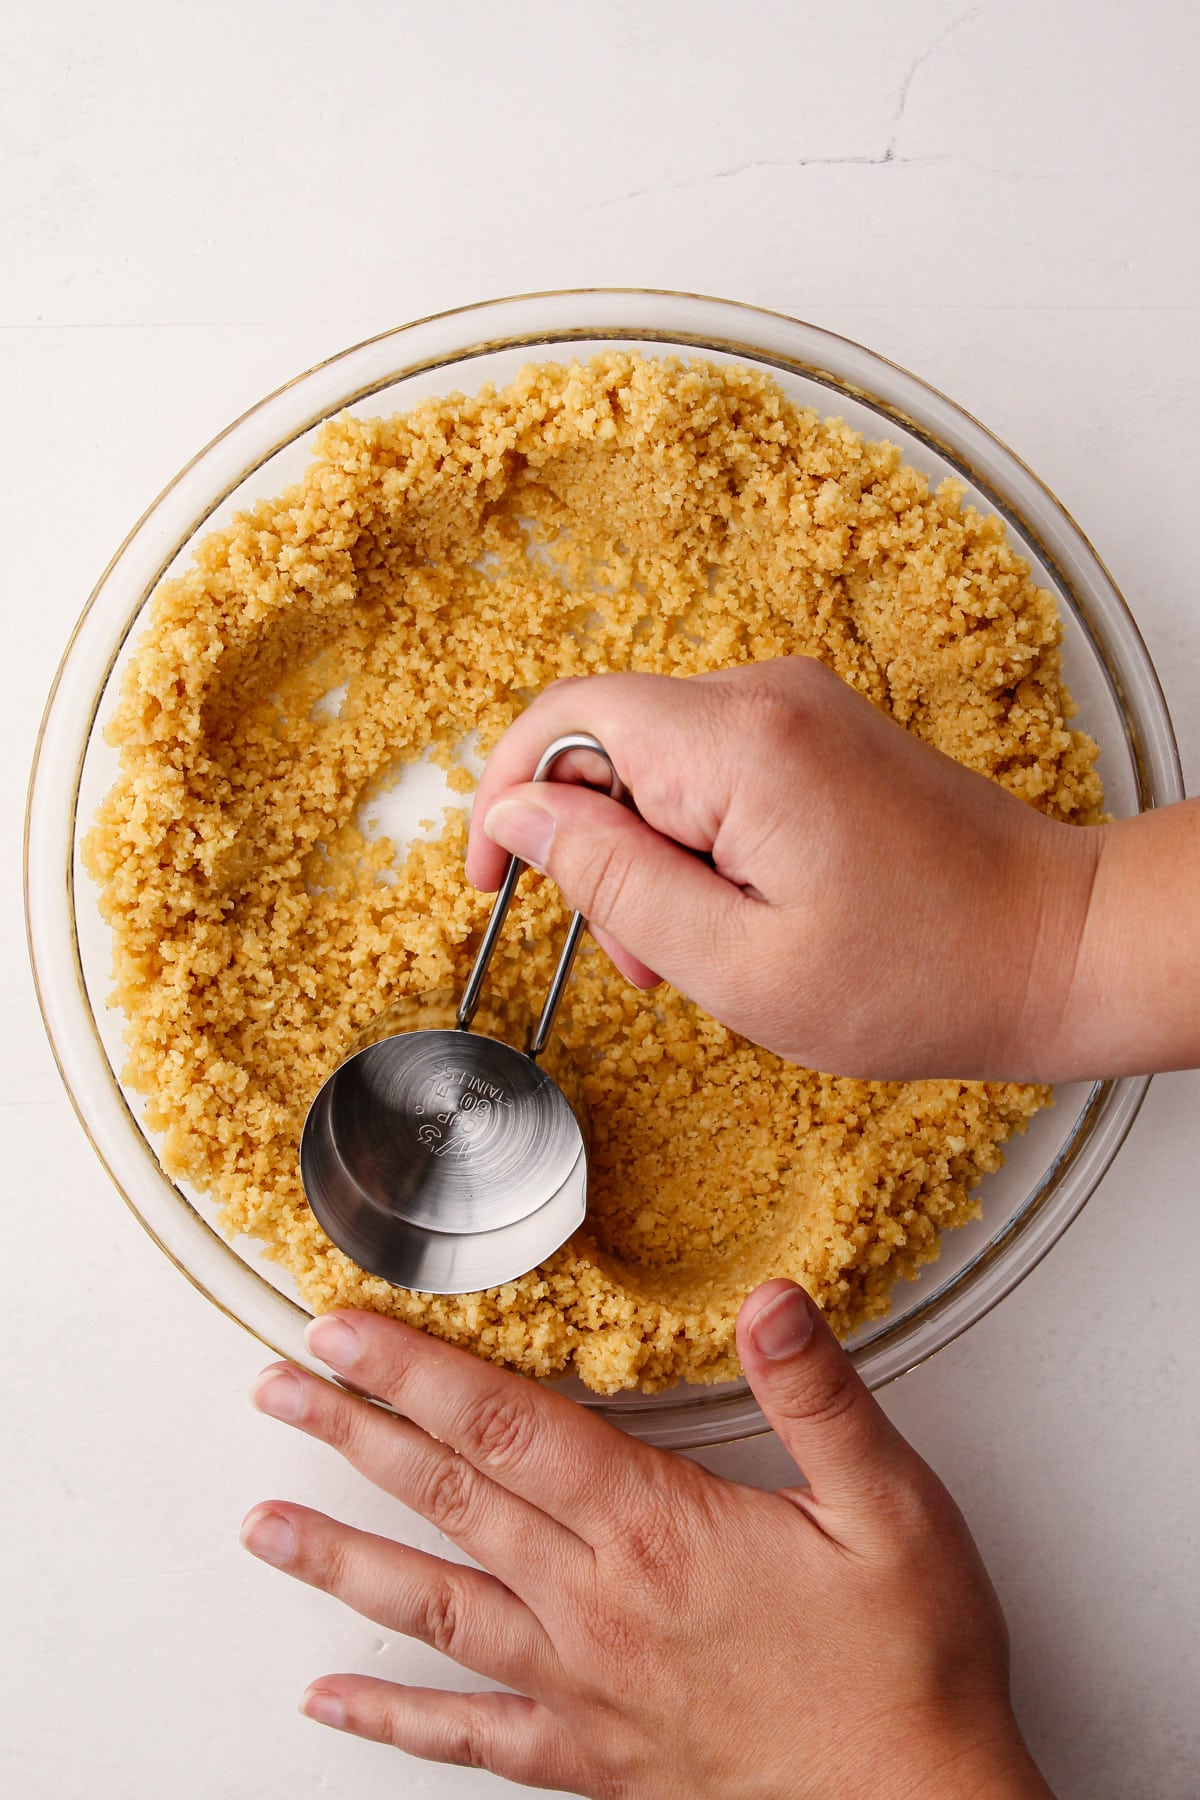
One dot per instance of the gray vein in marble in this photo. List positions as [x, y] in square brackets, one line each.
[890, 152]
[914, 67]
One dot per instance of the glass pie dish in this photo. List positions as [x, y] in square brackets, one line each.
[1048, 1174]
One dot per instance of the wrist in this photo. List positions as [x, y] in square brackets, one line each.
[1134, 1001]
[936, 1752]
[1054, 871]
[987, 1759]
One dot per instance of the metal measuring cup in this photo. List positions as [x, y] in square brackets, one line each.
[447, 1161]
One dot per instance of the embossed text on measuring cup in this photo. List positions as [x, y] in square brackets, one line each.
[463, 1104]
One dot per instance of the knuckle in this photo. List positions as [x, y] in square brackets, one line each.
[612, 1787]
[914, 1526]
[345, 1419]
[603, 879]
[561, 684]
[498, 1430]
[357, 1428]
[730, 940]
[782, 705]
[829, 1399]
[769, 714]
[554, 691]
[650, 1547]
[470, 1743]
[321, 1556]
[923, 1509]
[388, 1723]
[449, 1495]
[649, 1550]
[618, 1644]
[441, 1616]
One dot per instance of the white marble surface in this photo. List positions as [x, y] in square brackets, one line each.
[199, 203]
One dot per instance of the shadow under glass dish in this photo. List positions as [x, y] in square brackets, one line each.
[448, 1161]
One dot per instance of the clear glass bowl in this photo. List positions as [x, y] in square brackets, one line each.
[1049, 1173]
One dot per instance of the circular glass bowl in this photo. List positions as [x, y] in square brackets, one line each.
[1049, 1173]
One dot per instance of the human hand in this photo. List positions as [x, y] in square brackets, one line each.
[860, 903]
[669, 1633]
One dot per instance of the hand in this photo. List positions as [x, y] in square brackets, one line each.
[859, 902]
[668, 1633]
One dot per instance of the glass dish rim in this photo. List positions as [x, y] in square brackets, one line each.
[699, 1416]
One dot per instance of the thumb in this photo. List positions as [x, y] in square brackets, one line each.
[838, 1434]
[656, 899]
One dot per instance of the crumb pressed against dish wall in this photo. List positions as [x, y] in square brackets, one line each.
[626, 513]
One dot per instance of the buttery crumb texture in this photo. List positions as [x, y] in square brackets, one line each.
[443, 566]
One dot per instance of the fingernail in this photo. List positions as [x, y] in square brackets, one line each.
[279, 1394]
[784, 1325]
[324, 1707]
[269, 1536]
[523, 829]
[335, 1342]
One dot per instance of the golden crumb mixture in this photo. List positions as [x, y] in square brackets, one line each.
[624, 513]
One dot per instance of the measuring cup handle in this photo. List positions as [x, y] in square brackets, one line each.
[573, 740]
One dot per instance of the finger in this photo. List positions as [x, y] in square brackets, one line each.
[517, 1541]
[467, 1615]
[529, 1442]
[630, 967]
[851, 1454]
[682, 796]
[506, 1733]
[666, 907]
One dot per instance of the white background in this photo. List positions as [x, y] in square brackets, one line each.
[199, 203]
